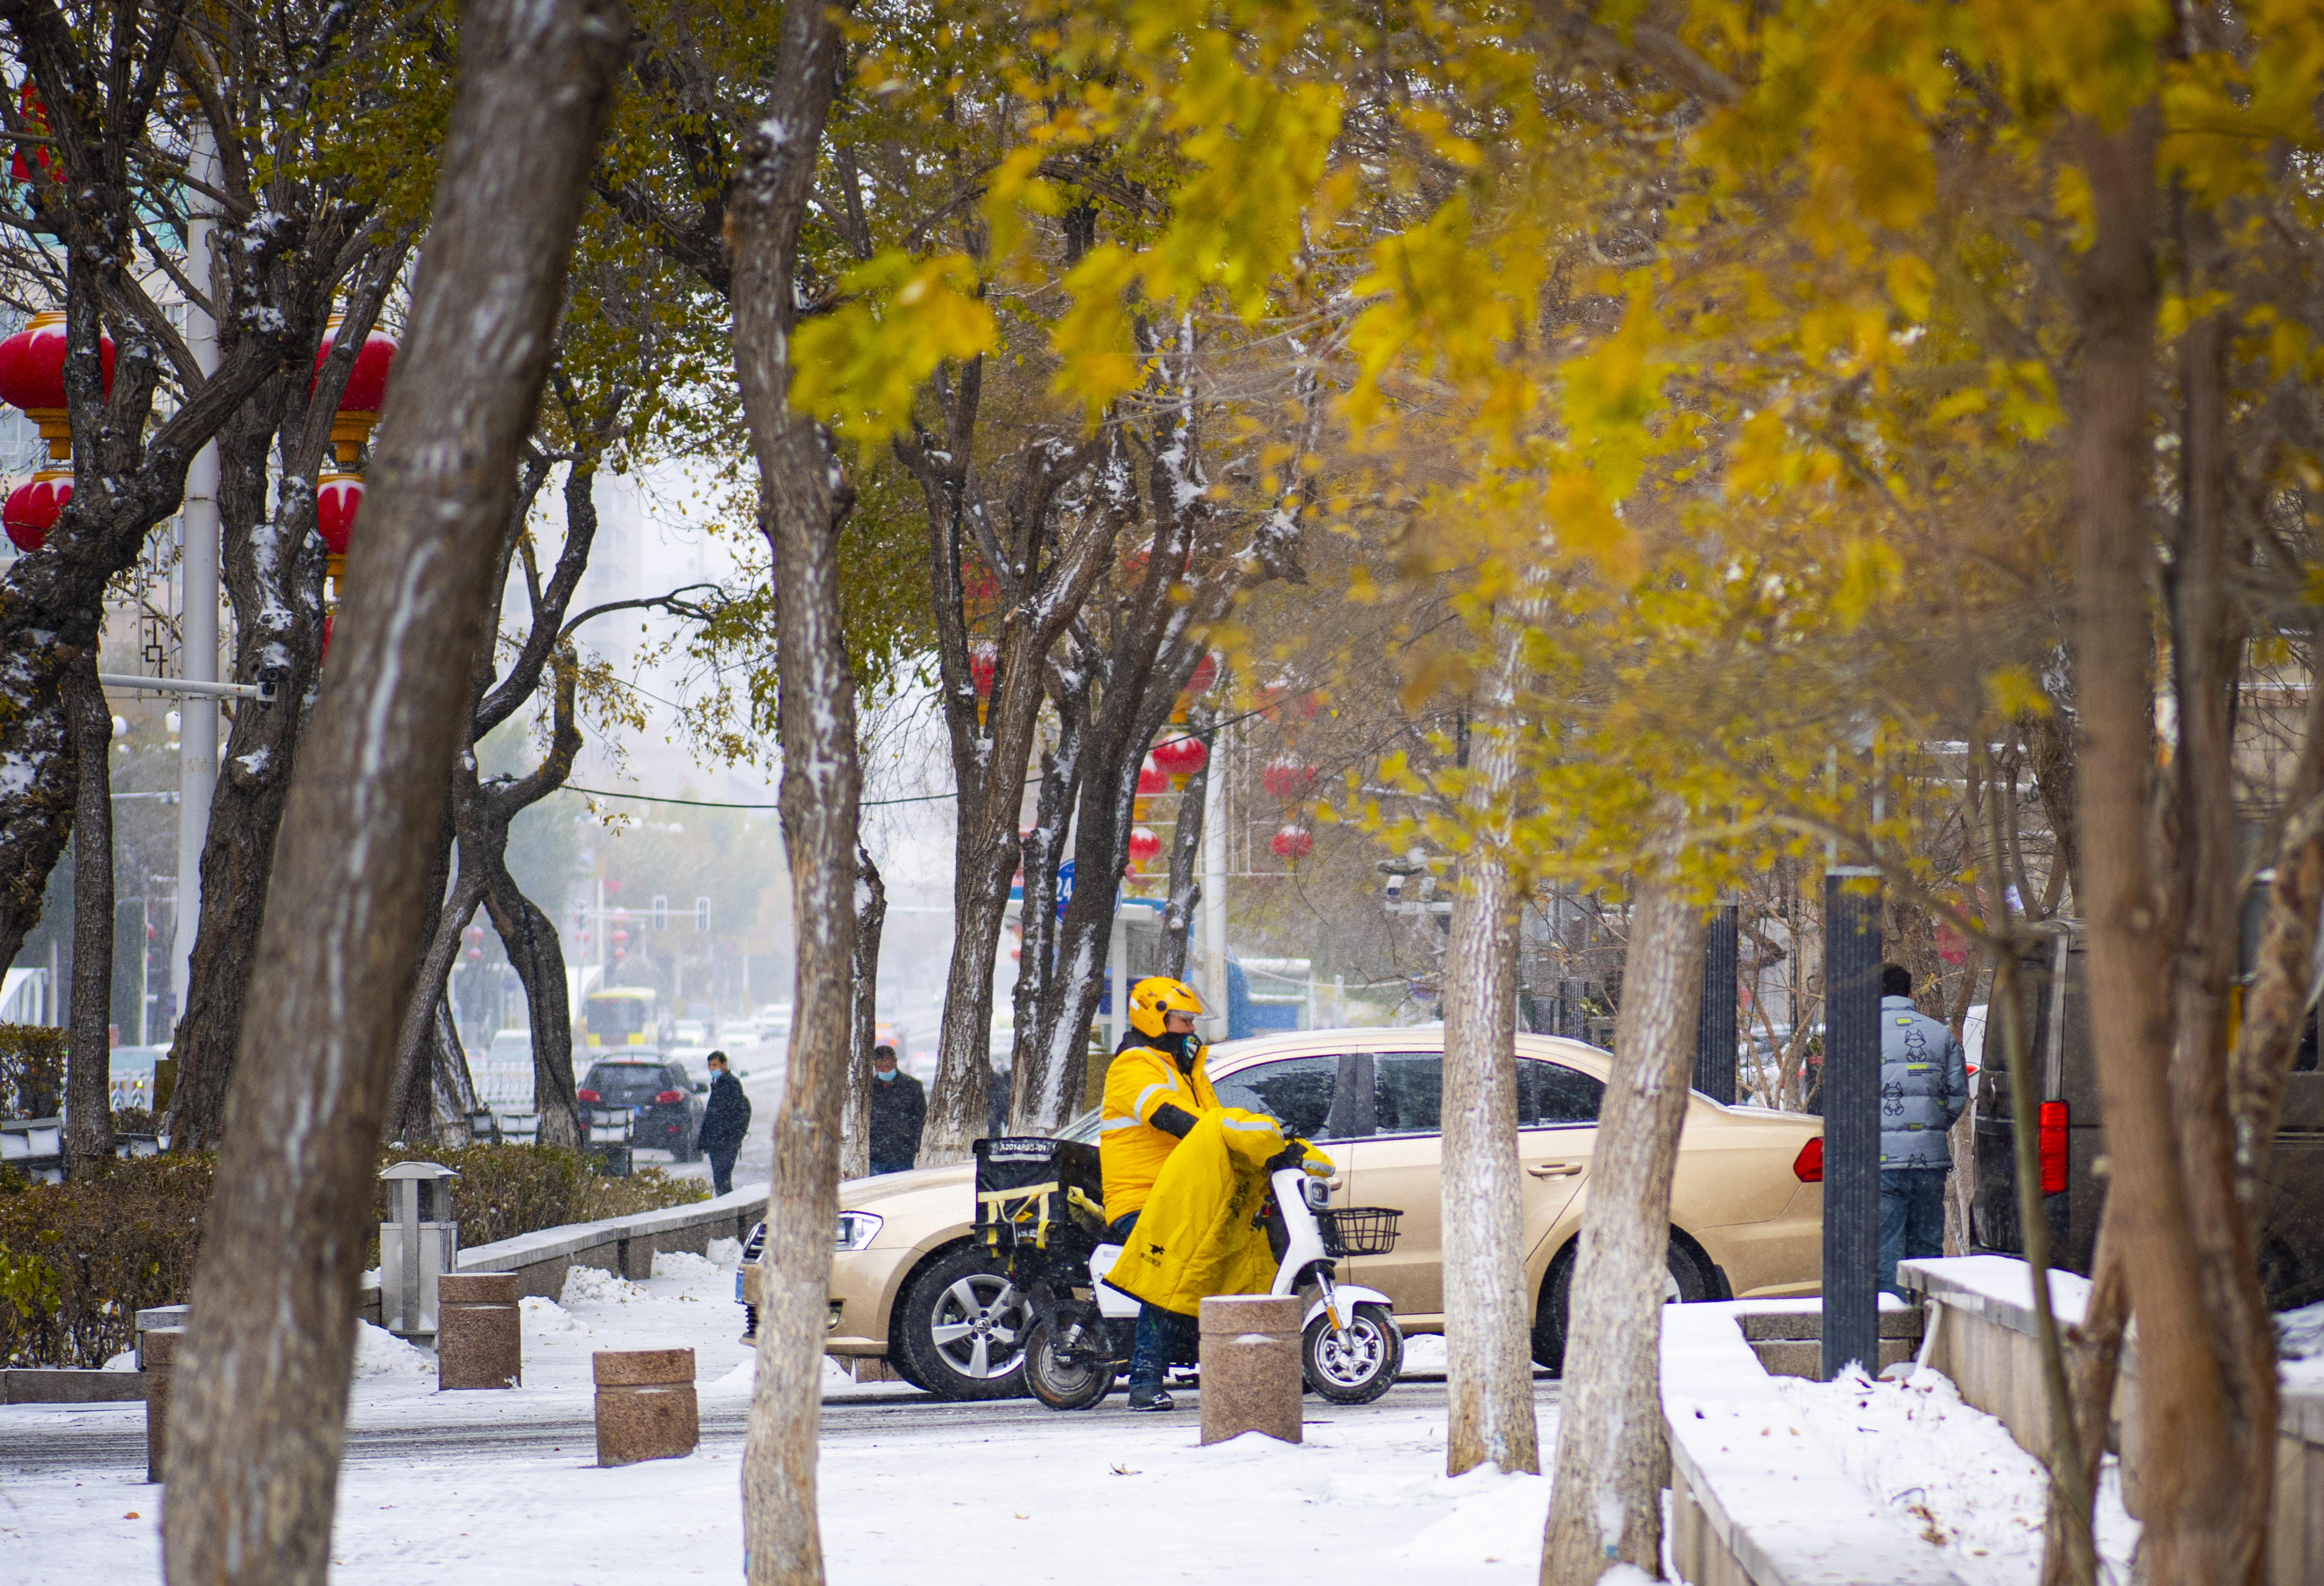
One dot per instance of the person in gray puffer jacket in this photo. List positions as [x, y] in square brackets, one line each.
[1923, 1091]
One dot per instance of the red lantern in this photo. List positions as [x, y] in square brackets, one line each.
[979, 588]
[983, 665]
[32, 376]
[366, 390]
[475, 954]
[1294, 844]
[1206, 672]
[338, 500]
[1181, 758]
[34, 507]
[1287, 779]
[1144, 845]
[1152, 779]
[36, 116]
[620, 937]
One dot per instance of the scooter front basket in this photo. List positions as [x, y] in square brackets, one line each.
[1359, 1231]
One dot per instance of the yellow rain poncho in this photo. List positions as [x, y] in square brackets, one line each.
[1198, 1233]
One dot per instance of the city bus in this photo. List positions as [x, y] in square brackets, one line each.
[626, 1017]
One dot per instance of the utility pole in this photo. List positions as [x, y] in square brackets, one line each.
[1214, 878]
[197, 725]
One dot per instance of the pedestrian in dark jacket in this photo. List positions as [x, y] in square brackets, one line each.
[1923, 1089]
[899, 1107]
[725, 1123]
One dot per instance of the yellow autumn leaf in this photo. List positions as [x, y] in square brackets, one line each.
[1585, 523]
[2013, 691]
[857, 367]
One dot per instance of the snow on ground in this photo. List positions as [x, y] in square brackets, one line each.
[1952, 1469]
[2300, 1343]
[966, 1499]
[1362, 1501]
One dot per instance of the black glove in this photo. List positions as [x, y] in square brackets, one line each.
[1292, 1154]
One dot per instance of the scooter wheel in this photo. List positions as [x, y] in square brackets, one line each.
[1362, 1367]
[1079, 1384]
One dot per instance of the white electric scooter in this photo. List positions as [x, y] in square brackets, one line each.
[1352, 1349]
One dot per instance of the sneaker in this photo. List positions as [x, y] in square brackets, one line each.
[1150, 1398]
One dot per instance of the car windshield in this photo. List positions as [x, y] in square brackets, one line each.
[1083, 1129]
[626, 1082]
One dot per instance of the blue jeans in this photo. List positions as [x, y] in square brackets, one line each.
[1911, 1218]
[1160, 1333]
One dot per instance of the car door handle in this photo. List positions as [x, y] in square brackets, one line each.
[1555, 1169]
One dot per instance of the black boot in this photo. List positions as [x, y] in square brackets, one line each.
[1149, 1395]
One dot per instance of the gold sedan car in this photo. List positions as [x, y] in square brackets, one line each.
[909, 1284]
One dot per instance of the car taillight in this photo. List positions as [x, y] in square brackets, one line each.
[2054, 1119]
[586, 1095]
[665, 1098]
[1807, 1165]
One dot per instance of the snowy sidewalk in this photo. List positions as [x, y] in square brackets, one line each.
[961, 1494]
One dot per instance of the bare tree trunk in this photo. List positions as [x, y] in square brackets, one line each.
[453, 1088]
[2069, 1553]
[1061, 769]
[410, 1098]
[88, 1059]
[1606, 1498]
[261, 1396]
[538, 958]
[273, 568]
[2206, 653]
[855, 1114]
[2190, 1487]
[2276, 1006]
[1488, 1373]
[804, 497]
[1178, 915]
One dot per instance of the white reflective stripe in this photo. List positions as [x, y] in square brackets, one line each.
[1138, 1106]
[1111, 1124]
[1256, 1125]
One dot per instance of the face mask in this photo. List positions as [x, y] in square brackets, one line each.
[887, 1078]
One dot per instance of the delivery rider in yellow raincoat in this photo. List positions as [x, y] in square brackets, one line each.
[1162, 1123]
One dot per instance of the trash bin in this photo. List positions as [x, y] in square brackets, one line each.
[608, 1139]
[416, 1245]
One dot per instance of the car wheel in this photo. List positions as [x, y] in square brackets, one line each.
[964, 1327]
[1684, 1281]
[1359, 1369]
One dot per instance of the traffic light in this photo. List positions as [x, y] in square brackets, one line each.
[661, 914]
[702, 914]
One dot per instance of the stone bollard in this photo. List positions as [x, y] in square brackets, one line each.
[160, 1348]
[1251, 1366]
[479, 1333]
[646, 1408]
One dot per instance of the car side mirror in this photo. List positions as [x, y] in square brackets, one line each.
[701, 1088]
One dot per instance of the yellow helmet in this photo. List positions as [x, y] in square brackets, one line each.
[1156, 995]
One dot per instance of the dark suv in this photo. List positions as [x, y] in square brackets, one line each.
[665, 1106]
